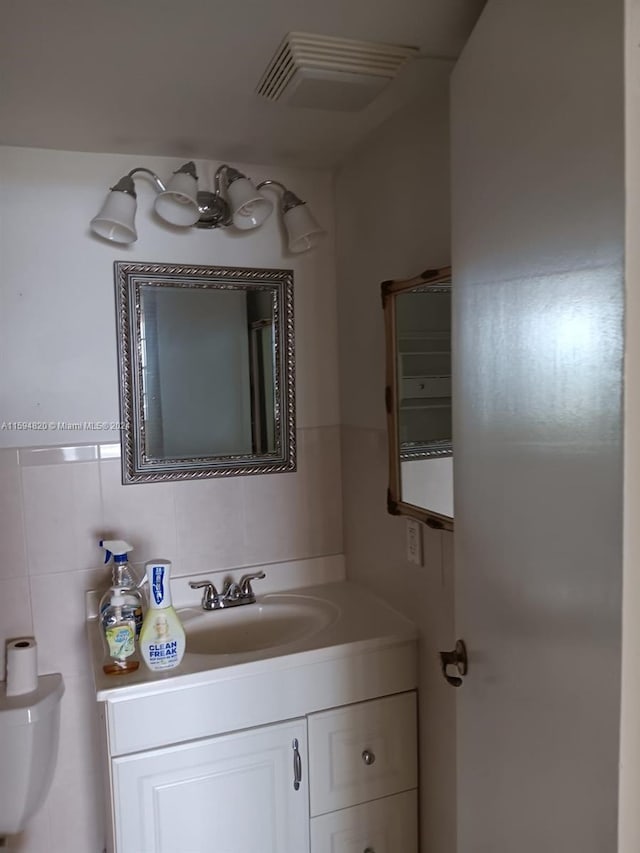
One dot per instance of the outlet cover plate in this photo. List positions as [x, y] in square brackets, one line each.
[414, 542]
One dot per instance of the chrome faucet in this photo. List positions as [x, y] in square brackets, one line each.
[232, 595]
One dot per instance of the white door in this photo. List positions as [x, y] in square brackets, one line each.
[232, 794]
[538, 229]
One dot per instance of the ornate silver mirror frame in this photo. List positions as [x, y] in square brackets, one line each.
[430, 281]
[139, 465]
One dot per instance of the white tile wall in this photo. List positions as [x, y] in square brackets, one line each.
[210, 524]
[59, 497]
[58, 606]
[63, 508]
[13, 558]
[15, 610]
[62, 516]
[75, 803]
[292, 515]
[142, 514]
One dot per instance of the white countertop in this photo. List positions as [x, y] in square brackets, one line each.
[363, 623]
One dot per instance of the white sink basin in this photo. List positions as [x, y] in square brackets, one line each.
[274, 620]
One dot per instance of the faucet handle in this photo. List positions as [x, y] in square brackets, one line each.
[231, 591]
[210, 595]
[245, 583]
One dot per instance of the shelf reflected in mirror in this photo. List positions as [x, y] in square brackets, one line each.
[419, 401]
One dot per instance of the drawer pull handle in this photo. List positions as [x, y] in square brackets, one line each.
[369, 850]
[297, 765]
[368, 757]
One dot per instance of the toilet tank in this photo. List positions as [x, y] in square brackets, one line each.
[29, 731]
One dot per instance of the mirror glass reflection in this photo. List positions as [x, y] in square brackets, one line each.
[423, 364]
[206, 371]
[417, 319]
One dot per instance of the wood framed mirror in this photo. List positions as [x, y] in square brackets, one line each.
[418, 397]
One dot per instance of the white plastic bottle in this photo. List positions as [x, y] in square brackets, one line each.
[162, 640]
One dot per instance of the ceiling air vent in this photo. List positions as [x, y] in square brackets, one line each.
[323, 73]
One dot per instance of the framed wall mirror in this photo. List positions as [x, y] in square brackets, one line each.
[207, 367]
[418, 397]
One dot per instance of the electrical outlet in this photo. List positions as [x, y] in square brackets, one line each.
[414, 542]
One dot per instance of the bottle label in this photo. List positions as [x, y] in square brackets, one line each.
[121, 640]
[163, 655]
[131, 611]
[157, 584]
[160, 647]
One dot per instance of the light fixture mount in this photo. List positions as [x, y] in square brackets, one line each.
[125, 185]
[214, 211]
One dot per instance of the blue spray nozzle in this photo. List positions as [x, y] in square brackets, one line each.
[116, 548]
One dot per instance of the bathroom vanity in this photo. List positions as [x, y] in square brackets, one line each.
[301, 740]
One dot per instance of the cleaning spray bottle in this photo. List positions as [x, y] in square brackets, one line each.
[119, 633]
[123, 578]
[162, 639]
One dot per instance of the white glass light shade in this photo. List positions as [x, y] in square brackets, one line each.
[302, 229]
[116, 219]
[249, 208]
[178, 204]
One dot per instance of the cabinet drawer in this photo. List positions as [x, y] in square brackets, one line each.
[383, 826]
[425, 386]
[362, 752]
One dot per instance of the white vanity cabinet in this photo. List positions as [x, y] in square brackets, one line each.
[342, 780]
[235, 793]
[313, 751]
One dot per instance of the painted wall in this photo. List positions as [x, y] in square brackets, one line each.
[58, 363]
[392, 208]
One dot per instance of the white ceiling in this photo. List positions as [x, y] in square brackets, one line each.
[178, 77]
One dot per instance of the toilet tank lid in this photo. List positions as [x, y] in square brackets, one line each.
[31, 707]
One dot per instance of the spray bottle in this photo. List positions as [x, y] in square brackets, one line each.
[123, 578]
[162, 641]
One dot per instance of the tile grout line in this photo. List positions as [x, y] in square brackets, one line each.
[23, 517]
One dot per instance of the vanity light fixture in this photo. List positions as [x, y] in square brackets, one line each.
[302, 229]
[235, 202]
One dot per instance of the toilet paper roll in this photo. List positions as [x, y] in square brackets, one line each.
[22, 666]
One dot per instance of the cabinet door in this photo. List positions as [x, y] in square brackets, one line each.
[382, 826]
[229, 794]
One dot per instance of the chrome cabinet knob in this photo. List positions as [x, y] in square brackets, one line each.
[368, 757]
